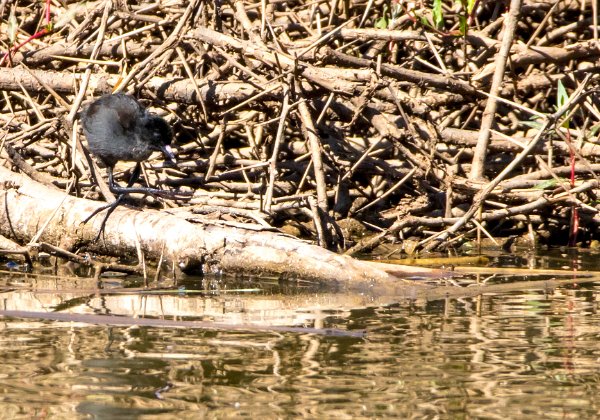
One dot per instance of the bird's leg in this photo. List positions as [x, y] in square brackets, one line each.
[122, 192]
[117, 190]
[135, 175]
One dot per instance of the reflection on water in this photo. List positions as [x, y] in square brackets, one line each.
[526, 354]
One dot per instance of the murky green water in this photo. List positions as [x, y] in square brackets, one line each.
[520, 354]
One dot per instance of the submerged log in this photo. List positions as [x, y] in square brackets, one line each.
[32, 212]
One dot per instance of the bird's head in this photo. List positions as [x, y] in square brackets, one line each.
[157, 132]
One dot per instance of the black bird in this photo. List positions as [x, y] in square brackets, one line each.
[118, 128]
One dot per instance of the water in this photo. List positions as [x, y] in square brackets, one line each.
[530, 353]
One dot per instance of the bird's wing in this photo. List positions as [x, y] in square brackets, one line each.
[127, 114]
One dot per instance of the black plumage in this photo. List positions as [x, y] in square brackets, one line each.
[118, 128]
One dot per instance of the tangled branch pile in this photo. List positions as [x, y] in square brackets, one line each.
[327, 115]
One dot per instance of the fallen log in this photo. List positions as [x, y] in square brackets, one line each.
[32, 212]
[181, 90]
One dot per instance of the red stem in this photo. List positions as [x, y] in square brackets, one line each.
[36, 35]
[47, 12]
[574, 211]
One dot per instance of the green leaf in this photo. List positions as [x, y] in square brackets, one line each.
[463, 24]
[438, 13]
[424, 21]
[595, 128]
[549, 183]
[561, 95]
[532, 124]
[381, 23]
[13, 27]
[397, 11]
[470, 5]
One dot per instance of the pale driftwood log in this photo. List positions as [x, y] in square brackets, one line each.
[33, 212]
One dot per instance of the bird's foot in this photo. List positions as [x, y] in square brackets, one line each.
[111, 207]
